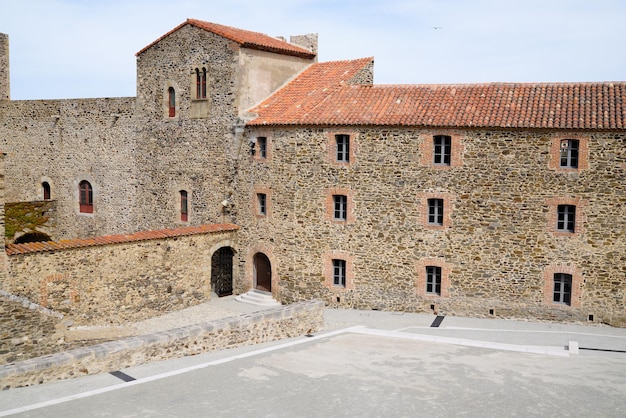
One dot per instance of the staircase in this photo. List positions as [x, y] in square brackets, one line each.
[257, 297]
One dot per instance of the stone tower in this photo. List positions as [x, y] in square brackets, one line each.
[4, 67]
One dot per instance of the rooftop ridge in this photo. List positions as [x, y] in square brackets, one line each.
[245, 38]
[33, 247]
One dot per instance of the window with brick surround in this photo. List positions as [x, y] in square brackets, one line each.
[341, 147]
[433, 277]
[200, 83]
[566, 218]
[339, 272]
[435, 209]
[435, 212]
[433, 280]
[85, 197]
[569, 153]
[442, 149]
[562, 288]
[261, 143]
[563, 285]
[184, 206]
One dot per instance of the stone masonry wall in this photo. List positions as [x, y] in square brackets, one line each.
[64, 142]
[114, 283]
[498, 246]
[272, 324]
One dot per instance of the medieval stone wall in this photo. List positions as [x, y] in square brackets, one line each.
[498, 247]
[63, 142]
[115, 283]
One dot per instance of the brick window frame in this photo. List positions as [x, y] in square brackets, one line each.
[428, 149]
[448, 200]
[548, 284]
[331, 150]
[328, 270]
[329, 204]
[421, 277]
[554, 161]
[553, 214]
[256, 209]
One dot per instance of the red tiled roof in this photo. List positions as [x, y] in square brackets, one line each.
[32, 247]
[307, 93]
[245, 38]
[310, 100]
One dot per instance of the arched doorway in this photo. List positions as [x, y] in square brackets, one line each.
[222, 271]
[262, 272]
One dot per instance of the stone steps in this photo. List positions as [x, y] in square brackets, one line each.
[257, 297]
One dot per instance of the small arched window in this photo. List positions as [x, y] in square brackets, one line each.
[85, 197]
[45, 188]
[184, 206]
[171, 93]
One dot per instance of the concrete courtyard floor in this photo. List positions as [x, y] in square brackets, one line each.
[364, 364]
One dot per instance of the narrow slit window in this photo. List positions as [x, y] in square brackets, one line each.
[262, 203]
[200, 83]
[45, 186]
[85, 197]
[171, 93]
[184, 206]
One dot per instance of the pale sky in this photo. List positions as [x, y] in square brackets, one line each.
[86, 48]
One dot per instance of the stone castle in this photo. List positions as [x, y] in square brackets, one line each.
[243, 163]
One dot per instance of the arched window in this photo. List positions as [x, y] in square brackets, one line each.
[201, 83]
[85, 197]
[45, 187]
[184, 208]
[171, 101]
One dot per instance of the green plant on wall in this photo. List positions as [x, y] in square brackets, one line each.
[26, 217]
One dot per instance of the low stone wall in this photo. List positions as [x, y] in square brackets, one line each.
[267, 325]
[115, 279]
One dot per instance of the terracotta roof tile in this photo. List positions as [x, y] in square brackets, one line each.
[315, 98]
[245, 38]
[32, 247]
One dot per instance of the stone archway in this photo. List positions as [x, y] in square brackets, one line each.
[222, 271]
[262, 272]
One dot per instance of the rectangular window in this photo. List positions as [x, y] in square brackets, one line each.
[339, 272]
[184, 210]
[262, 146]
[340, 207]
[569, 153]
[262, 201]
[562, 288]
[442, 149]
[566, 218]
[342, 148]
[433, 280]
[200, 83]
[435, 211]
